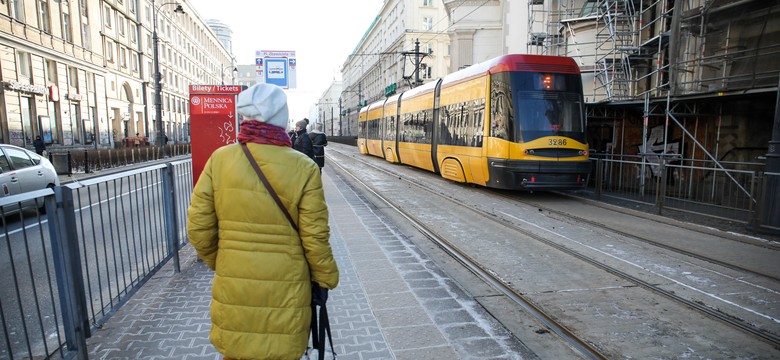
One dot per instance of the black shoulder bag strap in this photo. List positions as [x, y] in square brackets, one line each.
[268, 186]
[321, 327]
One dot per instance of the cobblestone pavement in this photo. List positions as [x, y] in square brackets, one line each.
[392, 302]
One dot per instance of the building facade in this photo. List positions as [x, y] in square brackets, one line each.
[406, 45]
[81, 73]
[328, 110]
[691, 78]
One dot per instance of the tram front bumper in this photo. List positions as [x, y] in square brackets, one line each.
[538, 175]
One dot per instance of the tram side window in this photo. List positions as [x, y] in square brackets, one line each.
[479, 123]
[377, 124]
[427, 126]
[405, 127]
[462, 123]
[390, 130]
[501, 116]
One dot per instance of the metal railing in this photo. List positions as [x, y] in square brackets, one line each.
[695, 186]
[90, 160]
[64, 271]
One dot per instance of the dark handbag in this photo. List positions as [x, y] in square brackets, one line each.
[319, 295]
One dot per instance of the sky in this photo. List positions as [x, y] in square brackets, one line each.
[322, 33]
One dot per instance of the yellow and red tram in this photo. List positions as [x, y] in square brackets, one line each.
[513, 122]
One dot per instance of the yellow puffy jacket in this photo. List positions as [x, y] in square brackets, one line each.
[261, 295]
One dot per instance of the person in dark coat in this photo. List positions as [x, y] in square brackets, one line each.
[40, 147]
[319, 141]
[302, 141]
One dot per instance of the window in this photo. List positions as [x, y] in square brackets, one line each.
[73, 77]
[131, 6]
[427, 23]
[16, 9]
[43, 21]
[133, 33]
[5, 166]
[90, 82]
[67, 33]
[23, 64]
[122, 57]
[427, 2]
[135, 62]
[86, 40]
[51, 71]
[83, 7]
[426, 71]
[107, 15]
[19, 158]
[120, 25]
[109, 51]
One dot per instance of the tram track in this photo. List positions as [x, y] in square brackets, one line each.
[642, 239]
[582, 346]
[559, 329]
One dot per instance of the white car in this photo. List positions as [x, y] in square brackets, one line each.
[22, 170]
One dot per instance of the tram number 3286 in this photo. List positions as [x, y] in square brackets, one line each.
[556, 142]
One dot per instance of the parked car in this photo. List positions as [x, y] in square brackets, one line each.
[22, 170]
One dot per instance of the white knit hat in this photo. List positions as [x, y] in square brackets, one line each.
[265, 103]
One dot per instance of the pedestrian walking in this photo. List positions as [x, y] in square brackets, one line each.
[137, 140]
[318, 141]
[39, 145]
[268, 251]
[301, 140]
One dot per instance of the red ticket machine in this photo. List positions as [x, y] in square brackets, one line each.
[213, 121]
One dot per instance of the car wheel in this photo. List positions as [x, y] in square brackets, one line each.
[41, 203]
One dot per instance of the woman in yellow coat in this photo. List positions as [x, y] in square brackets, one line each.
[261, 295]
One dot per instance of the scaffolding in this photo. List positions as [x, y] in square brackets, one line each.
[693, 76]
[632, 48]
[727, 45]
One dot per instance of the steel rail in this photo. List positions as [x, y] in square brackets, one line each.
[643, 239]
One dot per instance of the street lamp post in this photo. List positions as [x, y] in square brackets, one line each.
[234, 72]
[359, 93]
[157, 74]
[322, 111]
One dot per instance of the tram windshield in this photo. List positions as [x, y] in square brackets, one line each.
[526, 106]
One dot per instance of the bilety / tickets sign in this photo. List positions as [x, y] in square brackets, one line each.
[213, 121]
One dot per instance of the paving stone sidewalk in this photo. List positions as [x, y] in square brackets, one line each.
[392, 302]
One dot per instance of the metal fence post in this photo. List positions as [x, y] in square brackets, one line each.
[61, 215]
[70, 164]
[756, 191]
[599, 177]
[169, 203]
[86, 162]
[661, 188]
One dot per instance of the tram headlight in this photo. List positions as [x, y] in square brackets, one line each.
[528, 151]
[583, 152]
